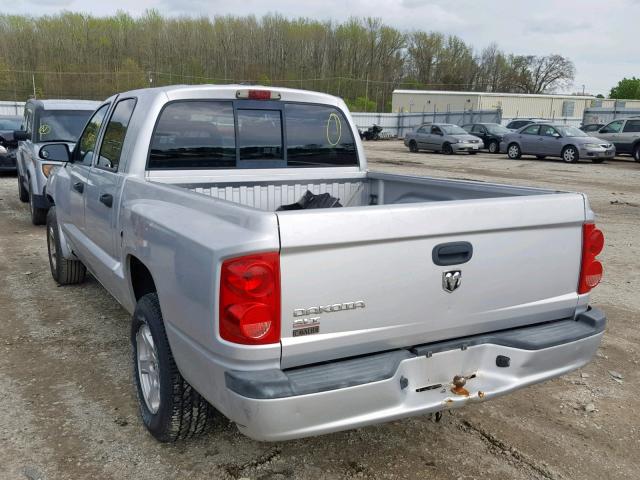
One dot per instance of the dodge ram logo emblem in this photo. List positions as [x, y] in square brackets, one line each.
[451, 280]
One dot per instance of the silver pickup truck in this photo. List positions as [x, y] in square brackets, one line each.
[403, 296]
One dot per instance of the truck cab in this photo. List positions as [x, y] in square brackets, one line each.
[45, 121]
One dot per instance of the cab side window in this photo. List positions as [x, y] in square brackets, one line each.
[86, 145]
[478, 129]
[436, 131]
[113, 140]
[613, 127]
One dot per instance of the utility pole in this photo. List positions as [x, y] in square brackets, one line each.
[366, 94]
[33, 82]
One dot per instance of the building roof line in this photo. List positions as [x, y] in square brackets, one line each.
[494, 94]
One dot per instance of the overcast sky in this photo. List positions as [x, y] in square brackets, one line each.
[601, 37]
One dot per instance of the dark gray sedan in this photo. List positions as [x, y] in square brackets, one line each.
[545, 140]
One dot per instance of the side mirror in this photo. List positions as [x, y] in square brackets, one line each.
[55, 152]
[21, 135]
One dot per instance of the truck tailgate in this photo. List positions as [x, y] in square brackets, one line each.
[360, 280]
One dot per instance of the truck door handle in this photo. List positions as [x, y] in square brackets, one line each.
[78, 187]
[453, 253]
[107, 199]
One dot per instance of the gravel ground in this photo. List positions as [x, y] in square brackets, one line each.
[68, 409]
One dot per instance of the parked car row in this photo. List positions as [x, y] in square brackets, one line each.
[595, 142]
[181, 201]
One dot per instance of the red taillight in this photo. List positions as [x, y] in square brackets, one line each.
[591, 268]
[250, 299]
[257, 95]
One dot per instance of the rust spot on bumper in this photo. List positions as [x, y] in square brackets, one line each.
[460, 391]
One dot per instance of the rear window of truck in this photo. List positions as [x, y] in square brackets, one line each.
[221, 134]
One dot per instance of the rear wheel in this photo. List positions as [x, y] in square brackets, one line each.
[170, 408]
[570, 154]
[413, 146]
[447, 149]
[63, 271]
[636, 153]
[38, 215]
[23, 193]
[514, 152]
[494, 147]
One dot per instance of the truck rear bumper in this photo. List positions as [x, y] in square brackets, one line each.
[274, 405]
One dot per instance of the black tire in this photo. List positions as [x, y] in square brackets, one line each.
[447, 149]
[63, 271]
[597, 160]
[494, 147]
[23, 193]
[413, 146]
[513, 151]
[570, 154]
[182, 412]
[636, 153]
[38, 215]
[541, 157]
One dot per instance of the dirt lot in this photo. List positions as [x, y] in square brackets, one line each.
[68, 411]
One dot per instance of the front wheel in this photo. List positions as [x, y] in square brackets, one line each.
[170, 408]
[23, 193]
[570, 155]
[514, 152]
[413, 146]
[38, 215]
[64, 271]
[447, 149]
[636, 153]
[494, 147]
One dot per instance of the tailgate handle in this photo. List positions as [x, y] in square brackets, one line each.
[453, 253]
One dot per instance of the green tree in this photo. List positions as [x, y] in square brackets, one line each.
[627, 88]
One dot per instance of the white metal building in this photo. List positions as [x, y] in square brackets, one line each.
[513, 105]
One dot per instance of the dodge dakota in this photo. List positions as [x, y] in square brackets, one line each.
[275, 279]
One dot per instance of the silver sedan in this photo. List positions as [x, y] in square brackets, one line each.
[544, 140]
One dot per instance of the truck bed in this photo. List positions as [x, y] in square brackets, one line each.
[352, 191]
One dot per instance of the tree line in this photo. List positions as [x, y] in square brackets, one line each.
[73, 55]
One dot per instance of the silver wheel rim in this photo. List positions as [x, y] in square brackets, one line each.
[148, 371]
[513, 151]
[569, 155]
[492, 147]
[53, 253]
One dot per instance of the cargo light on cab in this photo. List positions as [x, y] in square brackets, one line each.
[257, 95]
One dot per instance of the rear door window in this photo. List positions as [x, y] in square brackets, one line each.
[113, 139]
[632, 126]
[318, 136]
